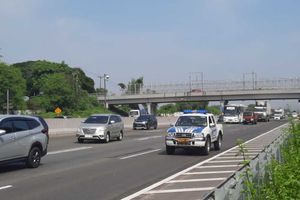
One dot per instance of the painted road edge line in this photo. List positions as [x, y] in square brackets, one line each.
[5, 187]
[139, 154]
[68, 150]
[147, 189]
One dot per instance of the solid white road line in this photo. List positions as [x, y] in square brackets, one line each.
[139, 154]
[212, 172]
[147, 189]
[6, 187]
[217, 166]
[197, 180]
[180, 190]
[230, 157]
[68, 150]
[234, 154]
[224, 161]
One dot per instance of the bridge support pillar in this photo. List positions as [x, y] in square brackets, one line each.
[151, 108]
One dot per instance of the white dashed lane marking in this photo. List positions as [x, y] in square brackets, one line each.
[68, 150]
[6, 187]
[139, 154]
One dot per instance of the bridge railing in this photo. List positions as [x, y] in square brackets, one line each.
[205, 87]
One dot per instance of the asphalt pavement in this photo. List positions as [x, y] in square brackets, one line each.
[115, 170]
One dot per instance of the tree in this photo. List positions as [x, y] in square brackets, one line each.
[135, 86]
[11, 79]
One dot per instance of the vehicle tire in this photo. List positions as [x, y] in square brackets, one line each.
[155, 126]
[218, 143]
[206, 148]
[120, 136]
[170, 150]
[34, 157]
[107, 138]
[80, 140]
[147, 127]
[134, 128]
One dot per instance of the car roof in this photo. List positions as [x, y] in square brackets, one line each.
[106, 115]
[197, 114]
[26, 116]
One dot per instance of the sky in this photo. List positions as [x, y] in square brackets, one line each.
[163, 41]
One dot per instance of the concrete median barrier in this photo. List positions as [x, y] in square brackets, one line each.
[70, 125]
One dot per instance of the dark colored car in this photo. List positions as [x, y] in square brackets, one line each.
[249, 117]
[145, 122]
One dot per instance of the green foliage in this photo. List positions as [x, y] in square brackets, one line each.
[11, 79]
[213, 109]
[167, 109]
[282, 177]
[135, 86]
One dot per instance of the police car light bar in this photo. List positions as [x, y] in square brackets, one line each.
[195, 111]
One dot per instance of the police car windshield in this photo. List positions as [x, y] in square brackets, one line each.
[96, 120]
[191, 121]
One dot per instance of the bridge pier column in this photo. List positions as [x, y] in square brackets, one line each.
[151, 108]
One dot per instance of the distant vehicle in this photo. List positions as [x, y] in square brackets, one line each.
[23, 138]
[194, 129]
[137, 113]
[279, 114]
[294, 114]
[145, 122]
[249, 117]
[263, 110]
[233, 113]
[103, 127]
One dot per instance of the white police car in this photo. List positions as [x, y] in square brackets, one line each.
[194, 129]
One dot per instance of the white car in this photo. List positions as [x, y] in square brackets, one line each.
[194, 129]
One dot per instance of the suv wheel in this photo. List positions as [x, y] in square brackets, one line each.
[120, 136]
[170, 150]
[34, 157]
[80, 140]
[206, 148]
[218, 143]
[107, 139]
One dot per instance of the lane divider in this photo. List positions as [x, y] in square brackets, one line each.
[68, 150]
[139, 154]
[6, 187]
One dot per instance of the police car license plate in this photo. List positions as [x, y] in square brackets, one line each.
[182, 141]
[88, 136]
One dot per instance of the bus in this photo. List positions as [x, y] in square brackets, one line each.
[233, 113]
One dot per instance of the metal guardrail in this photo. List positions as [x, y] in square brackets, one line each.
[231, 189]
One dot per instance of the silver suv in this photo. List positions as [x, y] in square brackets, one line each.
[23, 138]
[103, 127]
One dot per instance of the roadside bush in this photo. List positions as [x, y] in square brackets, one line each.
[282, 177]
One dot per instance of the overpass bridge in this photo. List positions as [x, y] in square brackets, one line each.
[207, 91]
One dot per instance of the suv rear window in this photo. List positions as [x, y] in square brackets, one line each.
[32, 123]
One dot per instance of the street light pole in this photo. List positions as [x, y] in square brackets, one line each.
[105, 78]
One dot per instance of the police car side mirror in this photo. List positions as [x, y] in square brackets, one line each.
[211, 124]
[2, 132]
[172, 124]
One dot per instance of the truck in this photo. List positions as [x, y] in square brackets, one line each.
[136, 113]
[194, 129]
[263, 110]
[233, 113]
[279, 114]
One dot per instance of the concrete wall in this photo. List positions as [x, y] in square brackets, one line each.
[65, 126]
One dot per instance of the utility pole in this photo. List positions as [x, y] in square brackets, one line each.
[105, 78]
[100, 77]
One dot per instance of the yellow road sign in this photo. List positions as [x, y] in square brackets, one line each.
[57, 110]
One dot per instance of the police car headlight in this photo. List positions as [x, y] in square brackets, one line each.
[171, 134]
[199, 136]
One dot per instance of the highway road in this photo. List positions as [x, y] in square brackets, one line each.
[108, 171]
